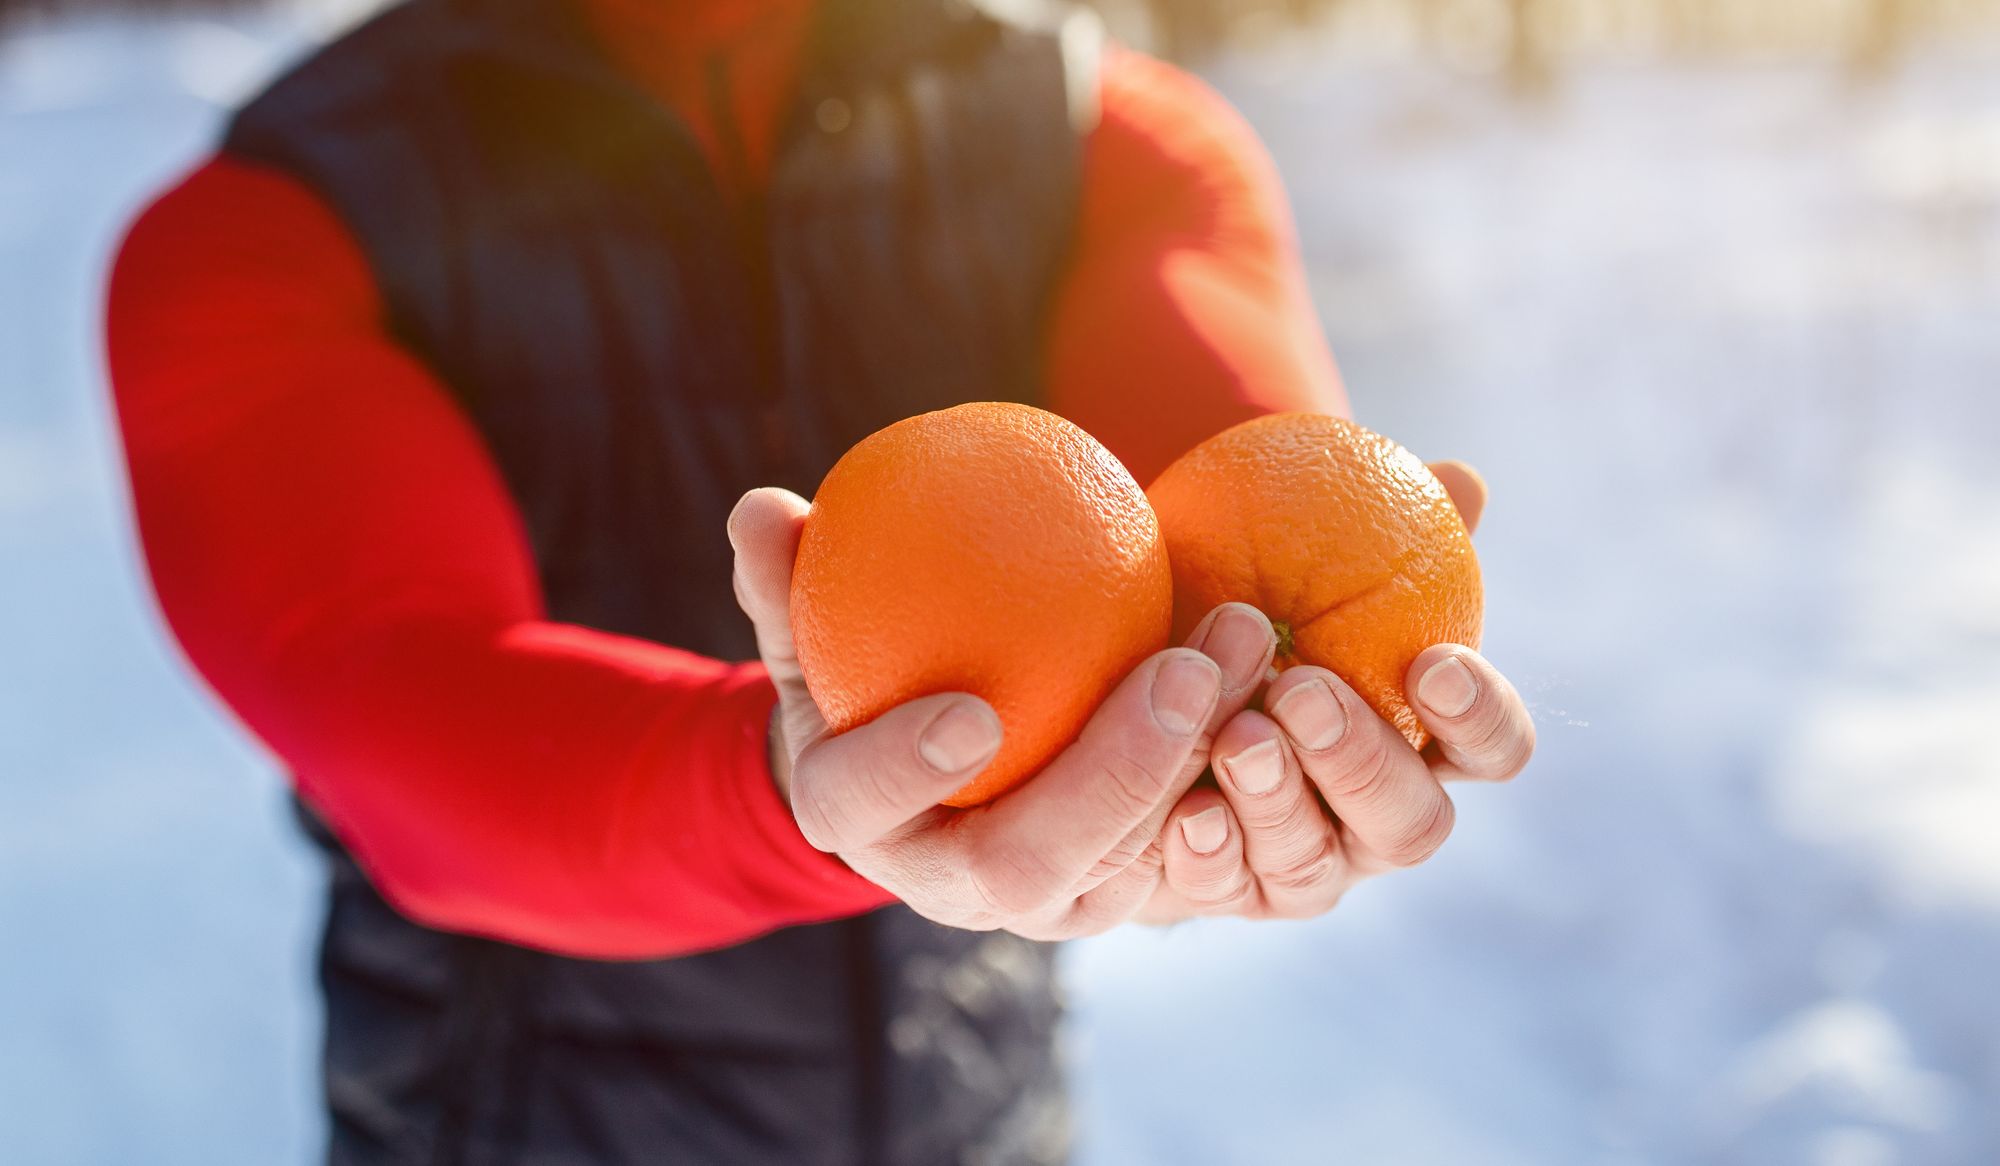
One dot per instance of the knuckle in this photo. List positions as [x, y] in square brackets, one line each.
[1308, 871]
[1358, 771]
[1011, 882]
[1277, 812]
[1500, 746]
[1134, 852]
[1215, 885]
[1126, 786]
[830, 814]
[1420, 838]
[815, 822]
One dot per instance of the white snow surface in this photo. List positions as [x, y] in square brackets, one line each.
[1723, 339]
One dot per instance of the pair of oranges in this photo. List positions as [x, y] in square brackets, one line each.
[999, 550]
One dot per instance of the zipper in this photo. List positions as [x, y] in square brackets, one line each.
[750, 208]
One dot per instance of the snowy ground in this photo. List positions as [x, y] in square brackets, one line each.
[1724, 341]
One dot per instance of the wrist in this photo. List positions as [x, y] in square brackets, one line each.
[777, 755]
[775, 855]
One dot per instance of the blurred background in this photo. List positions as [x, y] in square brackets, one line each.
[1710, 289]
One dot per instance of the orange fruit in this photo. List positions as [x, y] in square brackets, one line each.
[989, 548]
[1342, 537]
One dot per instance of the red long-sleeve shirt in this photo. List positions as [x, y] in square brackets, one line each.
[339, 558]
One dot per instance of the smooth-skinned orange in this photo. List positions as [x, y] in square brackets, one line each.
[1345, 539]
[989, 548]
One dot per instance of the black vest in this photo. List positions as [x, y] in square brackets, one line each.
[638, 350]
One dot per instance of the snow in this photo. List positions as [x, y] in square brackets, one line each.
[1721, 337]
[1721, 340]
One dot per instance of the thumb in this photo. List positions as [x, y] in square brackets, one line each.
[1467, 490]
[850, 790]
[764, 529]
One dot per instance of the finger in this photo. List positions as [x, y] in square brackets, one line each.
[1075, 821]
[1203, 846]
[764, 530]
[1467, 490]
[1113, 901]
[850, 789]
[1379, 788]
[1480, 724]
[1290, 844]
[1239, 638]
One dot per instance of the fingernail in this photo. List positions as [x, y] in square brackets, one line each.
[1311, 713]
[1238, 640]
[1184, 692]
[961, 737]
[1255, 770]
[1205, 832]
[1448, 687]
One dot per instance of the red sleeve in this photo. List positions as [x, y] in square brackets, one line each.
[337, 555]
[1187, 309]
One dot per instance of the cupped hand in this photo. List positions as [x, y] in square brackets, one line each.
[1320, 792]
[1073, 851]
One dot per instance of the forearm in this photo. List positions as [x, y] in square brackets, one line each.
[338, 557]
[1186, 308]
[548, 784]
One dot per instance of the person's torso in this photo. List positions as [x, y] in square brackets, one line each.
[638, 348]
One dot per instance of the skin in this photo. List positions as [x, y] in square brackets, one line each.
[1120, 830]
[1321, 793]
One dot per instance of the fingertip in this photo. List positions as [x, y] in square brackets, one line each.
[850, 788]
[1203, 844]
[1245, 729]
[739, 516]
[1176, 657]
[1251, 617]
[1186, 687]
[1313, 706]
[1439, 651]
[1297, 675]
[1256, 768]
[1466, 488]
[760, 510]
[1204, 833]
[1201, 629]
[764, 531]
[1240, 640]
[1446, 686]
[1481, 727]
[1201, 825]
[1436, 687]
[963, 736]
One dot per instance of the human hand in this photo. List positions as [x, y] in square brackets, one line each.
[1322, 793]
[1072, 851]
